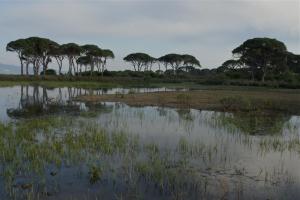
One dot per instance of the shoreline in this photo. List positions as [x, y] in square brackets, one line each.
[217, 100]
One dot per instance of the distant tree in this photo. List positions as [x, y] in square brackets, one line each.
[149, 63]
[83, 61]
[42, 48]
[94, 53]
[72, 52]
[189, 60]
[262, 55]
[173, 60]
[139, 60]
[33, 50]
[59, 55]
[106, 54]
[19, 47]
[164, 60]
[30, 57]
[189, 63]
[232, 64]
[40, 52]
[293, 62]
[49, 72]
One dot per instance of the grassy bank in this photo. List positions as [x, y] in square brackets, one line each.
[223, 99]
[140, 81]
[95, 82]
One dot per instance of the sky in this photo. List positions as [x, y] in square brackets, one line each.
[209, 29]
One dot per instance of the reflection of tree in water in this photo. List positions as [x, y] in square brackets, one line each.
[185, 114]
[162, 111]
[37, 102]
[34, 101]
[253, 123]
[186, 118]
[97, 108]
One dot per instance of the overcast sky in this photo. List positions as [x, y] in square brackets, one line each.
[208, 30]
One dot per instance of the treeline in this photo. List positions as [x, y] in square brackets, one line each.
[39, 52]
[261, 59]
[256, 59]
[144, 62]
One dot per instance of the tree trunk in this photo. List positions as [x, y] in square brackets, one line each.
[263, 77]
[74, 68]
[252, 75]
[264, 70]
[77, 69]
[27, 65]
[22, 73]
[59, 69]
[92, 69]
[36, 68]
[59, 62]
[70, 66]
[44, 70]
[102, 68]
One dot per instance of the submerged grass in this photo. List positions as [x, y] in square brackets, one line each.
[34, 150]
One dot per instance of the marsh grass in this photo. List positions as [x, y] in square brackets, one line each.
[283, 101]
[184, 98]
[41, 148]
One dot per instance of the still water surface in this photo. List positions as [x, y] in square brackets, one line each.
[152, 152]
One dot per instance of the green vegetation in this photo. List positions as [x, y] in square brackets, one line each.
[179, 62]
[140, 61]
[38, 52]
[50, 142]
[33, 149]
[232, 99]
[263, 59]
[259, 62]
[253, 122]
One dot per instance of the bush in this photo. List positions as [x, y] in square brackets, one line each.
[49, 72]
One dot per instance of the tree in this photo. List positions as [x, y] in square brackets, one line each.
[262, 55]
[33, 50]
[94, 53]
[83, 61]
[189, 60]
[293, 62]
[59, 54]
[173, 60]
[106, 54]
[72, 52]
[149, 63]
[40, 52]
[18, 46]
[30, 57]
[230, 65]
[42, 48]
[139, 60]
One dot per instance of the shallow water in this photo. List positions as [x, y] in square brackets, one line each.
[62, 149]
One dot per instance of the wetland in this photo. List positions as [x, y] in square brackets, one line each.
[148, 143]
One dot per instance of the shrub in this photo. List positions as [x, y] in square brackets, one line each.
[49, 72]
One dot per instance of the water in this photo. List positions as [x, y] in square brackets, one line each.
[64, 149]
